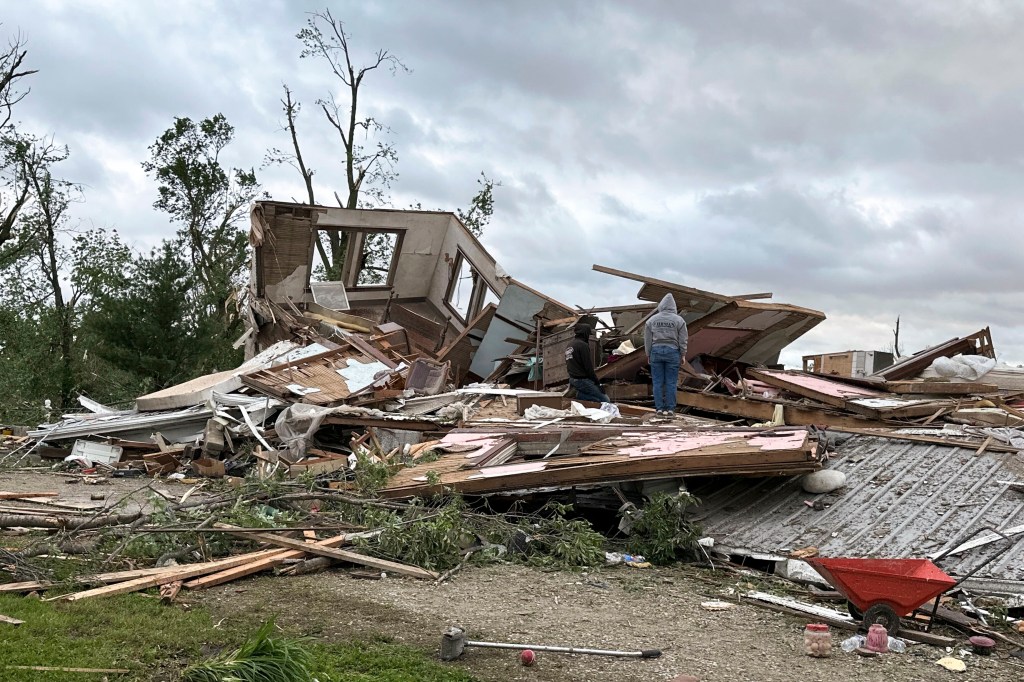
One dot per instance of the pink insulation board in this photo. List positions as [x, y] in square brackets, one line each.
[656, 444]
[821, 385]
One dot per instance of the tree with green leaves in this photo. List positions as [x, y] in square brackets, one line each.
[481, 206]
[208, 202]
[155, 326]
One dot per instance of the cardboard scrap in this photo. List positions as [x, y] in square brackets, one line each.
[952, 664]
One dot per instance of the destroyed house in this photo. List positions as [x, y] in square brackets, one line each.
[419, 279]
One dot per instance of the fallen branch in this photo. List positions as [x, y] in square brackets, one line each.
[341, 555]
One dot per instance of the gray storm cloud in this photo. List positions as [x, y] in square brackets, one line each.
[860, 158]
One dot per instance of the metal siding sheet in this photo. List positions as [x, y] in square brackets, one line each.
[901, 500]
[518, 305]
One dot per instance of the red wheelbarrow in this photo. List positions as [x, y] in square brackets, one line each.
[882, 590]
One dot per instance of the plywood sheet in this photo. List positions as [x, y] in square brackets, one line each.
[814, 387]
[626, 455]
[317, 380]
[516, 315]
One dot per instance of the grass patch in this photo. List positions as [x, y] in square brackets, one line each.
[157, 642]
[129, 631]
[383, 662]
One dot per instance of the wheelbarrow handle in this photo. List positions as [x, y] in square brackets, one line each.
[1010, 542]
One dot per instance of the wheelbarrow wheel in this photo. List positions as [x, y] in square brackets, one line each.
[884, 615]
[854, 611]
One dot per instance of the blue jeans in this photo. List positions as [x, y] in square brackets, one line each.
[586, 389]
[665, 373]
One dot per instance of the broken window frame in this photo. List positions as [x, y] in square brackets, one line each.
[477, 294]
[356, 237]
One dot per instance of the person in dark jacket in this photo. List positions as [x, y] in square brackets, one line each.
[580, 364]
[665, 340]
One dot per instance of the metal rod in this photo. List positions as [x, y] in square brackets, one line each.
[648, 653]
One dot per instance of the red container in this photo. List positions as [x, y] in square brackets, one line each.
[878, 639]
[902, 584]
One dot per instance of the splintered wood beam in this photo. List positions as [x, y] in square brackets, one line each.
[926, 387]
[794, 415]
[170, 575]
[340, 555]
[20, 496]
[275, 559]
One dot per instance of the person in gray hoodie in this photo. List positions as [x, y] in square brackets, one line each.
[665, 340]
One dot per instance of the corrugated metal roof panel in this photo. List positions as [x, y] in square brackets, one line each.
[901, 499]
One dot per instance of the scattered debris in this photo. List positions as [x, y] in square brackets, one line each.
[412, 419]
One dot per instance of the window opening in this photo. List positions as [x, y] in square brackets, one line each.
[460, 289]
[376, 259]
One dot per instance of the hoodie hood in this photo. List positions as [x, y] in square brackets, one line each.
[667, 305]
[582, 331]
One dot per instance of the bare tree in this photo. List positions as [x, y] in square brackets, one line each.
[11, 74]
[15, 190]
[368, 160]
[293, 158]
[367, 172]
[896, 349]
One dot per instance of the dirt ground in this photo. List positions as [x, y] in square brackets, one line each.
[75, 491]
[617, 608]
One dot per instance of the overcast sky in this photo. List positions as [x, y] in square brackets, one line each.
[861, 158]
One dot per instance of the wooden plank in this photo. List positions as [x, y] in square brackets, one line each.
[341, 555]
[10, 621]
[28, 586]
[984, 446]
[615, 459]
[913, 635]
[892, 435]
[20, 496]
[698, 294]
[99, 578]
[619, 392]
[908, 410]
[938, 413]
[170, 575]
[977, 343]
[827, 391]
[926, 386]
[271, 561]
[219, 578]
[1006, 408]
[763, 410]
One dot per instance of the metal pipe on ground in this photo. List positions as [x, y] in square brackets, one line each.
[454, 642]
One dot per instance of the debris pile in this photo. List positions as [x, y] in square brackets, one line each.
[393, 412]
